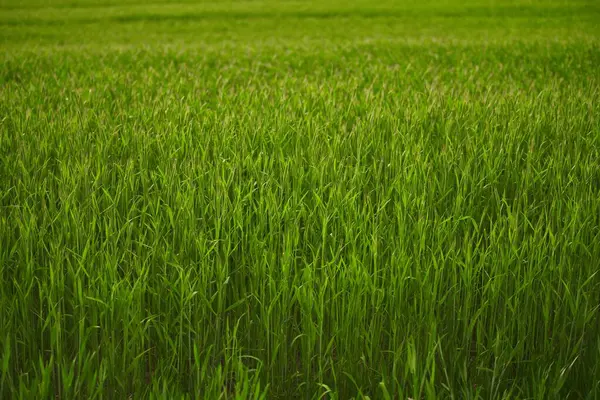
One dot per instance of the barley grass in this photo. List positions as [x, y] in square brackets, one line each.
[299, 200]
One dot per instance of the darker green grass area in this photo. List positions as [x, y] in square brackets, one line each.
[303, 207]
[518, 11]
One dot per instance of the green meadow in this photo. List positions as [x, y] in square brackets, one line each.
[299, 199]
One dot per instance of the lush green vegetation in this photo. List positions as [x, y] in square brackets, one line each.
[299, 200]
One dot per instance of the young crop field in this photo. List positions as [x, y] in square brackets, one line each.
[300, 199]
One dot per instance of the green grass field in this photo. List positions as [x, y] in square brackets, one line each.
[299, 199]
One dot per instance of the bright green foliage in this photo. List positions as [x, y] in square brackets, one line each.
[316, 200]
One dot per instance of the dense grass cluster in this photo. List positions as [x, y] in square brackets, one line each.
[299, 200]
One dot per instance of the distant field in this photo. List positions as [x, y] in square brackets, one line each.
[297, 199]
